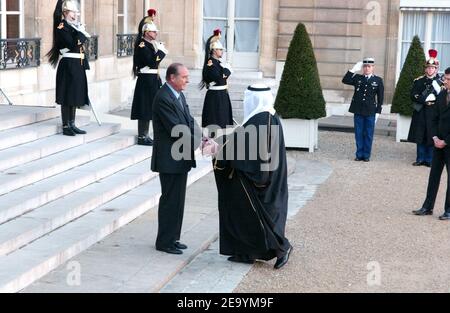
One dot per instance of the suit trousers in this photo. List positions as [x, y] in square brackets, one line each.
[441, 157]
[171, 209]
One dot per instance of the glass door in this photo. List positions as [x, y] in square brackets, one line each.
[239, 21]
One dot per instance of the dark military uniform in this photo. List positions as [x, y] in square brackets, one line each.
[420, 130]
[71, 80]
[369, 94]
[217, 108]
[367, 101]
[148, 84]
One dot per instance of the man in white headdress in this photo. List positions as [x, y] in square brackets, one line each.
[251, 176]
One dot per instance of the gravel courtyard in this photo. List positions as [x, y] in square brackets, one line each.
[358, 233]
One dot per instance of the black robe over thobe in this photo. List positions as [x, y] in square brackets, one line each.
[253, 204]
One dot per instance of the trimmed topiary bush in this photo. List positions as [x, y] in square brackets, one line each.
[412, 69]
[300, 93]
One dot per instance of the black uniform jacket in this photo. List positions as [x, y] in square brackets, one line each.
[71, 81]
[217, 109]
[368, 97]
[147, 85]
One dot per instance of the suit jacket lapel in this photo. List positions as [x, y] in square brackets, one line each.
[176, 103]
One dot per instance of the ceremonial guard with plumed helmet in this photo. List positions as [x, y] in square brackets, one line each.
[148, 54]
[69, 37]
[217, 109]
[423, 96]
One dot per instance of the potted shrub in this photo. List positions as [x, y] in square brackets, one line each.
[300, 101]
[401, 103]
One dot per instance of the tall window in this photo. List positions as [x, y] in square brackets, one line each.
[11, 18]
[433, 29]
[122, 17]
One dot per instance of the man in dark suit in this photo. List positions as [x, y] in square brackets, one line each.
[366, 105]
[440, 132]
[175, 142]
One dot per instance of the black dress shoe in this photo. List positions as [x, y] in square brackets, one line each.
[445, 216]
[366, 160]
[241, 259]
[418, 163]
[422, 212]
[68, 131]
[180, 246]
[358, 159]
[145, 141]
[283, 260]
[170, 250]
[75, 129]
[427, 164]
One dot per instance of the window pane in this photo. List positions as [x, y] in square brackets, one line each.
[441, 38]
[413, 24]
[120, 10]
[12, 5]
[208, 30]
[247, 36]
[215, 8]
[120, 28]
[247, 8]
[441, 27]
[12, 26]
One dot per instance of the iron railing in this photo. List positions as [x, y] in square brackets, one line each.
[125, 45]
[20, 53]
[92, 48]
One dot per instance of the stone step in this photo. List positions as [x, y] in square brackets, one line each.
[24, 266]
[33, 196]
[14, 116]
[24, 134]
[27, 174]
[127, 260]
[47, 146]
[31, 226]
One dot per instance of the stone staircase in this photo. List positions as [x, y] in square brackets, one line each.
[60, 195]
[239, 82]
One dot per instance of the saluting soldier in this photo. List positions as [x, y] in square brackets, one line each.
[423, 95]
[69, 37]
[148, 54]
[217, 110]
[366, 105]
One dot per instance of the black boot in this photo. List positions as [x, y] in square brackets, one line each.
[75, 129]
[145, 141]
[65, 115]
[143, 129]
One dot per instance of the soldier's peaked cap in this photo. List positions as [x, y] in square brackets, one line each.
[369, 61]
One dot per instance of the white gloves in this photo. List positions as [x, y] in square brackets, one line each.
[431, 97]
[436, 87]
[227, 66]
[160, 46]
[358, 66]
[82, 29]
[376, 117]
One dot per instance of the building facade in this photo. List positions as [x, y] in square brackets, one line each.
[257, 34]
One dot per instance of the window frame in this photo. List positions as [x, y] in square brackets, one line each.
[4, 13]
[123, 15]
[427, 41]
